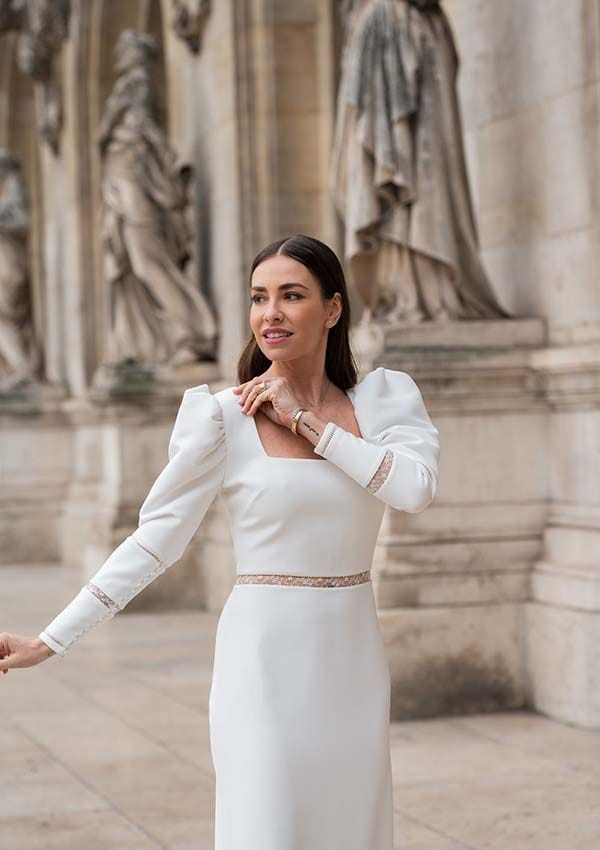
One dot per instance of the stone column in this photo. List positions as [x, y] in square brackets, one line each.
[563, 615]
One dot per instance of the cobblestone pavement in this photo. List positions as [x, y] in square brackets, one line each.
[108, 748]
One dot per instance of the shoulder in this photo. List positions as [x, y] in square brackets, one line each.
[388, 398]
[207, 412]
[385, 382]
[199, 420]
[201, 401]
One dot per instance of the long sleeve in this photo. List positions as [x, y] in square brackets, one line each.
[396, 459]
[168, 518]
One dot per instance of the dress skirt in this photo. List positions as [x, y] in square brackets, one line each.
[299, 712]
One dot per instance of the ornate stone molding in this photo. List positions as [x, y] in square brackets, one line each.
[570, 374]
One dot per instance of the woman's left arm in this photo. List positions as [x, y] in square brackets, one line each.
[396, 459]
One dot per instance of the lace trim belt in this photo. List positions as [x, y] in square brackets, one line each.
[304, 581]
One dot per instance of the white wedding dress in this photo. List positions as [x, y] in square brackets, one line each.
[300, 696]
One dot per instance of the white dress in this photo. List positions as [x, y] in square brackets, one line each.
[300, 696]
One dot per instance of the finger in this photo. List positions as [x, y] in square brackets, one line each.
[7, 663]
[249, 396]
[263, 395]
[246, 389]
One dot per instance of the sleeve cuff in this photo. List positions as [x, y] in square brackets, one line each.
[321, 447]
[83, 612]
[58, 648]
[353, 455]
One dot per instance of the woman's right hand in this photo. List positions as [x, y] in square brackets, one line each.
[18, 651]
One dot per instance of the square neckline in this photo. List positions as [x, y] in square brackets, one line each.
[263, 451]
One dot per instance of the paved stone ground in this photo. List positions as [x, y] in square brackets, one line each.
[108, 749]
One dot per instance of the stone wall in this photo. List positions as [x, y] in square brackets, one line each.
[530, 85]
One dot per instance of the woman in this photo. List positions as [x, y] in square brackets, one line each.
[306, 460]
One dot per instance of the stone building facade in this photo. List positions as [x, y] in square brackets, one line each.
[489, 599]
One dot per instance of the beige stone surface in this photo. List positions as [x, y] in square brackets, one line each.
[454, 659]
[107, 748]
[563, 660]
[96, 830]
[531, 114]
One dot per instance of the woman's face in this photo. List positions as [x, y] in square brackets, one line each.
[284, 294]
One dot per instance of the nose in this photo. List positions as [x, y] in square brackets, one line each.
[273, 312]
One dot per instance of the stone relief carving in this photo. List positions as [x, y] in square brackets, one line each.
[43, 25]
[398, 174]
[18, 356]
[189, 18]
[158, 316]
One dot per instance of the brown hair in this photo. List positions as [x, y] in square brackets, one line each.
[322, 262]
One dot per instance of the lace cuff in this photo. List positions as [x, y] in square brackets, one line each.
[362, 469]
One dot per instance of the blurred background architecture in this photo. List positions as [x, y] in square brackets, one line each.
[149, 149]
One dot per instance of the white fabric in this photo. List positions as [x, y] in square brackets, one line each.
[394, 415]
[299, 701]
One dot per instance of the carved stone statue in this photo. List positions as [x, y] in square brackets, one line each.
[18, 358]
[158, 316]
[189, 17]
[398, 174]
[43, 26]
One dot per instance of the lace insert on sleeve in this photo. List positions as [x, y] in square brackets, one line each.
[102, 597]
[382, 472]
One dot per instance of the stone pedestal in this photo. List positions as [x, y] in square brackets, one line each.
[563, 617]
[36, 468]
[452, 581]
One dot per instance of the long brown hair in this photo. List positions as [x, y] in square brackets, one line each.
[322, 262]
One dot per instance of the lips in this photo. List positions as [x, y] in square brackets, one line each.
[275, 334]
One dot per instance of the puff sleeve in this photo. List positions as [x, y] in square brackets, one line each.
[168, 518]
[396, 459]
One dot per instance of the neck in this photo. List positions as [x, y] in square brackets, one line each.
[310, 388]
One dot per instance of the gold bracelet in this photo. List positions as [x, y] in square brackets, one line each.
[296, 418]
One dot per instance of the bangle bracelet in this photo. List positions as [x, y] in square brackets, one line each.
[296, 418]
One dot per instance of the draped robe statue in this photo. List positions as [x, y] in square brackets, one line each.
[398, 173]
[158, 316]
[18, 357]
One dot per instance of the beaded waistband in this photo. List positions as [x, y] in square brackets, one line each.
[304, 581]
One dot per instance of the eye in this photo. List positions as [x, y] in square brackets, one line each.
[254, 298]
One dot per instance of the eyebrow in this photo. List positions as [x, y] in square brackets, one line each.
[281, 286]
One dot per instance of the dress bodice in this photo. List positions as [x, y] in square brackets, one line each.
[289, 515]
